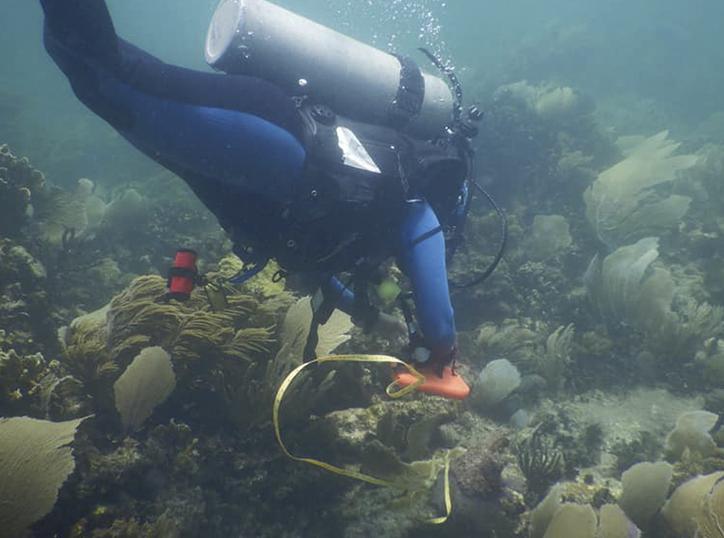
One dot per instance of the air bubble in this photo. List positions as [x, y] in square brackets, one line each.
[403, 21]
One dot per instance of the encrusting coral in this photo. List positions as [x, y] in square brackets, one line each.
[20, 375]
[24, 301]
[19, 183]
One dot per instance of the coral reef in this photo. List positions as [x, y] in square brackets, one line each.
[549, 236]
[24, 301]
[220, 354]
[21, 377]
[182, 445]
[19, 183]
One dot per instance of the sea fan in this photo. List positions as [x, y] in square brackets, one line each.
[623, 204]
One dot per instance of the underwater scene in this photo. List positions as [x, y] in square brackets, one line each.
[362, 268]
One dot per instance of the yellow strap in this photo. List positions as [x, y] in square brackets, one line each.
[448, 497]
[391, 392]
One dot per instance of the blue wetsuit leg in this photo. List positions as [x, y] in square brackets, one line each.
[423, 261]
[225, 135]
[233, 148]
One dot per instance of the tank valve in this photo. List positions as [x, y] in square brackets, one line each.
[475, 114]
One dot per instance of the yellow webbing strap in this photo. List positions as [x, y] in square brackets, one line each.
[448, 497]
[377, 359]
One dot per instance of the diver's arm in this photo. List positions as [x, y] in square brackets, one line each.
[366, 316]
[235, 130]
[421, 256]
[343, 298]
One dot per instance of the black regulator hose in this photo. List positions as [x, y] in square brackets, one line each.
[457, 88]
[501, 249]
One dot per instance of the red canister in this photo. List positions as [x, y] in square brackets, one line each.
[183, 275]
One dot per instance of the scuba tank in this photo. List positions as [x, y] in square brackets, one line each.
[258, 38]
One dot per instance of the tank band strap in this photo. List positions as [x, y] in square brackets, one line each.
[427, 235]
[410, 94]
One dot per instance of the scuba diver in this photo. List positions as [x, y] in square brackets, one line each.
[312, 149]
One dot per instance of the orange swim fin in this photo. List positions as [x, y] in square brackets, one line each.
[450, 385]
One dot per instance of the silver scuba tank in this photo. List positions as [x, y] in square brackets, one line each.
[258, 38]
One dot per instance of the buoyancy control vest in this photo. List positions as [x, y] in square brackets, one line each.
[396, 134]
[357, 178]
